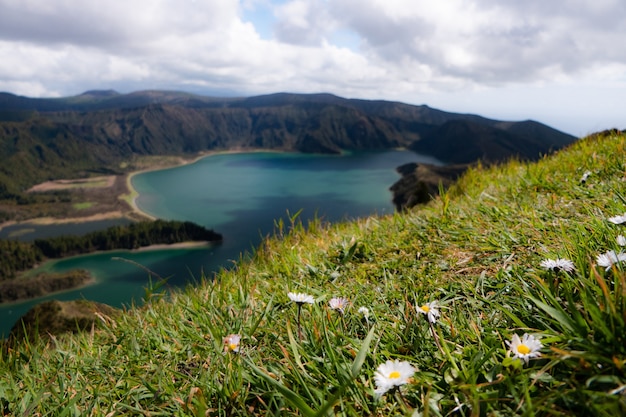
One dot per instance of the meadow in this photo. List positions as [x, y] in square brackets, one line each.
[506, 295]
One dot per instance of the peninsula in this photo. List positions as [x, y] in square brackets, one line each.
[19, 257]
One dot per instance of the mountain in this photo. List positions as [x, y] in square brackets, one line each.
[463, 141]
[97, 131]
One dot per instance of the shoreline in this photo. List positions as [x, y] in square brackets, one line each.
[92, 280]
[192, 244]
[129, 196]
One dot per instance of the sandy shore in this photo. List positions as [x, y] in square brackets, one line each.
[132, 194]
[180, 245]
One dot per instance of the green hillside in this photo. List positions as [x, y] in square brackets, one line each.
[478, 251]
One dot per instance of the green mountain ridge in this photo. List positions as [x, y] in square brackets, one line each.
[99, 131]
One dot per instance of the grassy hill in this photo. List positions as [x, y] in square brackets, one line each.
[477, 251]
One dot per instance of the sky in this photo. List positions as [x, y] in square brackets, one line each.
[560, 62]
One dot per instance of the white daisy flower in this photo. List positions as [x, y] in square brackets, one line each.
[231, 343]
[365, 311]
[558, 264]
[618, 219]
[621, 240]
[431, 310]
[339, 304]
[525, 348]
[301, 298]
[585, 176]
[392, 374]
[609, 258]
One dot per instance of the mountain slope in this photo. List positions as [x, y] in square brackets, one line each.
[99, 130]
[460, 141]
[512, 334]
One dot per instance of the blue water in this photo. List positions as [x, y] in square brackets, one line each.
[238, 195]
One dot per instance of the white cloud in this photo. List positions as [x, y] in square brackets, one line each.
[410, 50]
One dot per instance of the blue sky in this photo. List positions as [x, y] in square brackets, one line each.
[561, 62]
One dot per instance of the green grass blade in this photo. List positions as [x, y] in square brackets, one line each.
[362, 354]
[291, 397]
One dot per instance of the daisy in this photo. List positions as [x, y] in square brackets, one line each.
[558, 264]
[431, 310]
[609, 258]
[583, 179]
[339, 304]
[231, 343]
[366, 314]
[618, 219]
[526, 348]
[301, 298]
[392, 374]
[621, 240]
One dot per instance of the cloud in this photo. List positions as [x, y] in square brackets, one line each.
[452, 43]
[407, 50]
[490, 42]
[302, 22]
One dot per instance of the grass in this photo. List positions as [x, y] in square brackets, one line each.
[83, 205]
[476, 251]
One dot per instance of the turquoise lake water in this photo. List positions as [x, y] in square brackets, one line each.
[238, 195]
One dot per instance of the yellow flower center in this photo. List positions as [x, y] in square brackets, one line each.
[523, 349]
[425, 308]
[232, 346]
[394, 375]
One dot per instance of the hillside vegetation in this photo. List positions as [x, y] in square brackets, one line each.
[239, 345]
[105, 132]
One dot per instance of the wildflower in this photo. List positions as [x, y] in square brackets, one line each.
[558, 264]
[339, 304]
[618, 219]
[301, 298]
[231, 343]
[431, 310]
[609, 258]
[621, 240]
[366, 314]
[526, 348]
[392, 374]
[583, 179]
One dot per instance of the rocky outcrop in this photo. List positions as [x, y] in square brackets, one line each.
[421, 182]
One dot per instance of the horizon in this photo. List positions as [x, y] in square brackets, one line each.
[562, 64]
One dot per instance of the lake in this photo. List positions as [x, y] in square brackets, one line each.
[239, 195]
